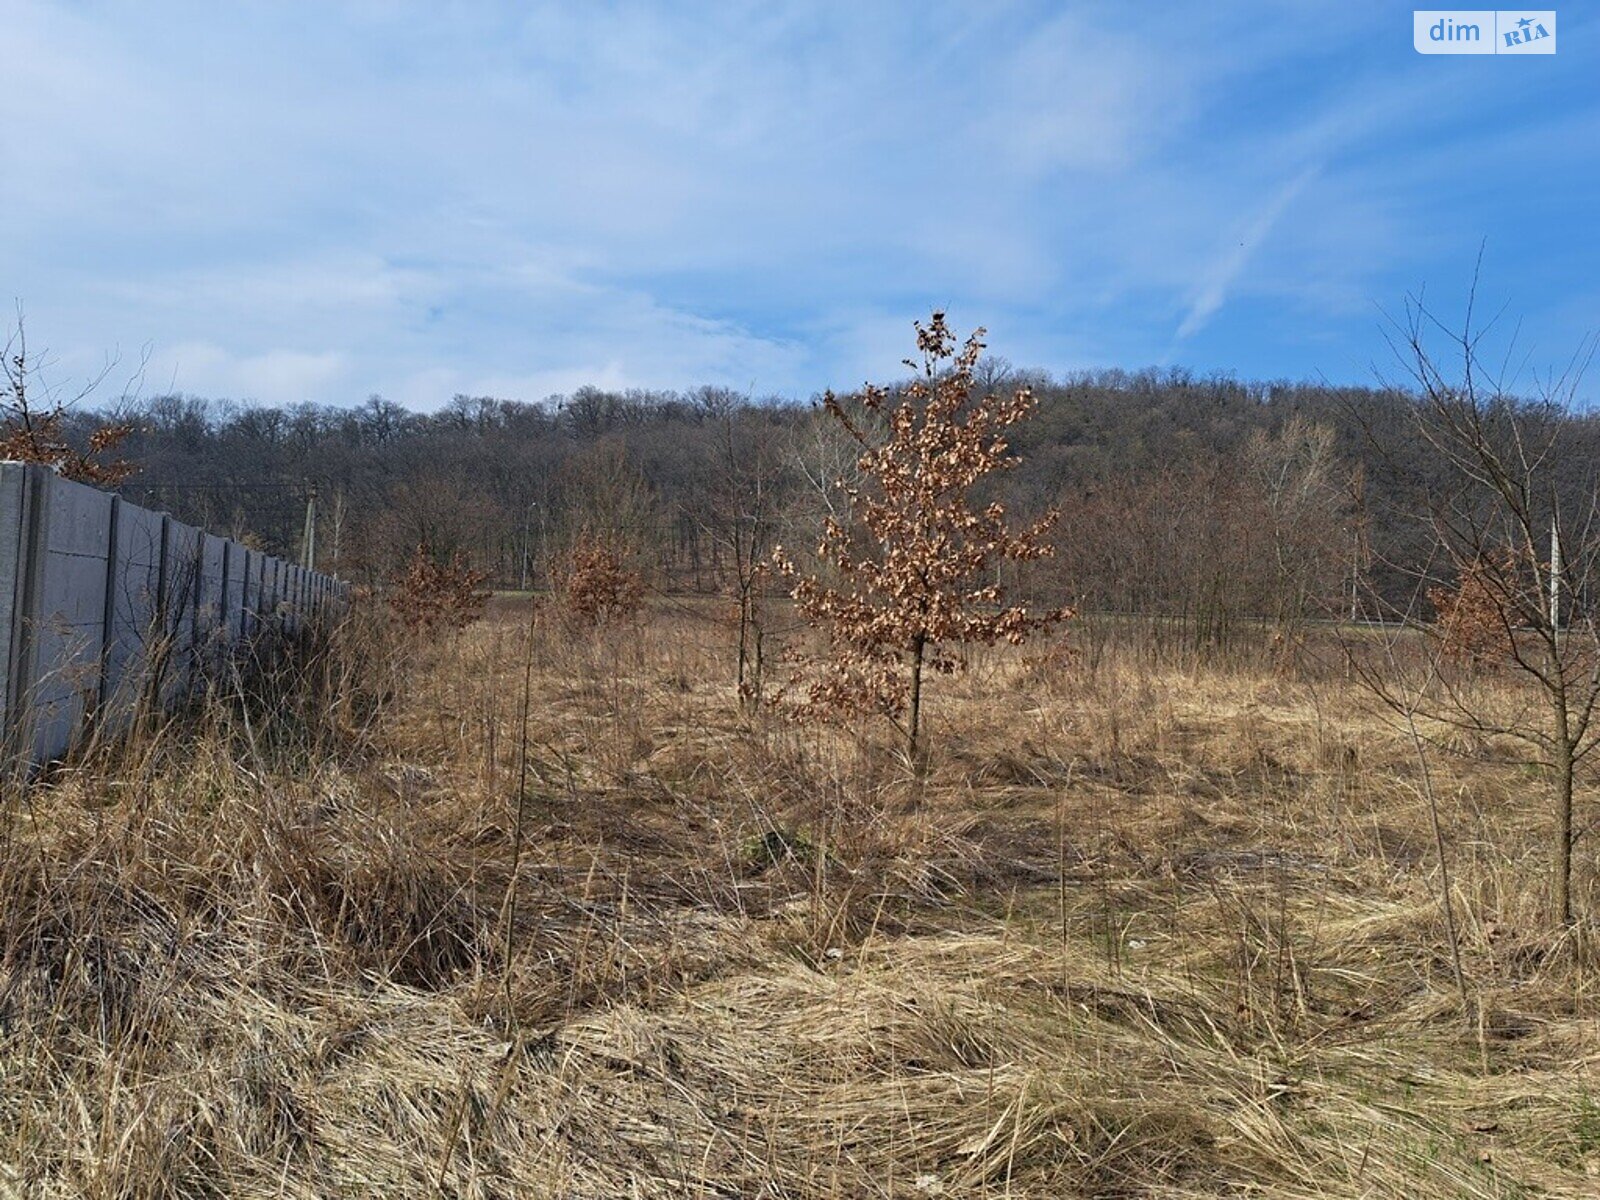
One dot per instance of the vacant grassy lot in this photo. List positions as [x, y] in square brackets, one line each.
[1140, 932]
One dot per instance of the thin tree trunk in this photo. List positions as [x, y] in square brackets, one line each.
[1563, 767]
[744, 644]
[915, 721]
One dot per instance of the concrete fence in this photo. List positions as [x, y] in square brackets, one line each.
[105, 606]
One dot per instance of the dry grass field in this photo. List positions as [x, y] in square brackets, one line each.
[1140, 931]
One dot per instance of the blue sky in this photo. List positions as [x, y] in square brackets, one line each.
[286, 202]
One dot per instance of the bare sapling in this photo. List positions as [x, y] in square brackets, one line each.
[1515, 524]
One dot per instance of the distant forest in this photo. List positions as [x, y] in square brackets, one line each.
[1206, 498]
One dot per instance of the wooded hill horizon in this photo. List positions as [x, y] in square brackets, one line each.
[1204, 497]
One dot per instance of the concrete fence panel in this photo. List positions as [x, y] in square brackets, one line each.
[251, 596]
[235, 562]
[208, 633]
[132, 606]
[180, 600]
[63, 615]
[101, 600]
[285, 592]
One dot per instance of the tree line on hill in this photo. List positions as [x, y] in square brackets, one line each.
[1204, 498]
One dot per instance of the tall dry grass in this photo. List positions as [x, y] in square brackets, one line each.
[369, 924]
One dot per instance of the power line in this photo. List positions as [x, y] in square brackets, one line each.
[217, 487]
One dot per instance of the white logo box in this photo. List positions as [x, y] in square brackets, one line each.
[1483, 31]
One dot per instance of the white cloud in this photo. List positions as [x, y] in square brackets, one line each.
[278, 376]
[1077, 97]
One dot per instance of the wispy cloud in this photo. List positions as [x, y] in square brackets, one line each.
[1224, 272]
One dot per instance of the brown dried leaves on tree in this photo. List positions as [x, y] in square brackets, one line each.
[1472, 621]
[40, 440]
[35, 433]
[914, 574]
[432, 594]
[598, 587]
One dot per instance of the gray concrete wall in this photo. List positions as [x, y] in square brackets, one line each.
[139, 543]
[255, 594]
[235, 561]
[100, 598]
[180, 589]
[210, 646]
[271, 569]
[64, 634]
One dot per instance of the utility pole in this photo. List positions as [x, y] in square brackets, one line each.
[1555, 577]
[308, 543]
[1358, 531]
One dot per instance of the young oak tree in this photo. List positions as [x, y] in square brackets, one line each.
[432, 593]
[914, 574]
[598, 586]
[1469, 621]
